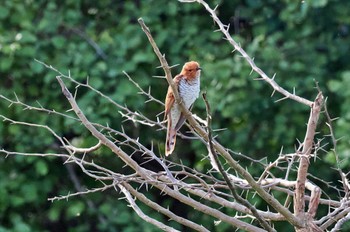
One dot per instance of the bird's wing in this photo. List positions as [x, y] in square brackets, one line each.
[170, 98]
[182, 119]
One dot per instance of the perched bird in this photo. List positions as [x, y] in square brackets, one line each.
[188, 85]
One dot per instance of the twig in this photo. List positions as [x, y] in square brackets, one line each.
[237, 197]
[206, 209]
[162, 210]
[125, 157]
[339, 224]
[147, 94]
[139, 212]
[65, 197]
[83, 150]
[109, 99]
[224, 29]
[334, 141]
[335, 216]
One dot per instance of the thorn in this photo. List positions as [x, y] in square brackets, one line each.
[273, 92]
[273, 77]
[284, 98]
[228, 27]
[173, 66]
[281, 150]
[333, 119]
[16, 96]
[161, 77]
[339, 139]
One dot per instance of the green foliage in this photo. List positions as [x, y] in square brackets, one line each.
[300, 41]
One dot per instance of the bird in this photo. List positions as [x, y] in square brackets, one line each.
[188, 86]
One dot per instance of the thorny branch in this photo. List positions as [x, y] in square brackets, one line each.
[225, 30]
[299, 202]
[237, 197]
[146, 174]
[329, 123]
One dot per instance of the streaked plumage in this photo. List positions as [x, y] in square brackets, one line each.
[188, 83]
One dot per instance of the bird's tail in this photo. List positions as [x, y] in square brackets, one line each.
[170, 140]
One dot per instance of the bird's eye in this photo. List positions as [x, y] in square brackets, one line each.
[190, 70]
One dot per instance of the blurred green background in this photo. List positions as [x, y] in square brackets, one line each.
[301, 41]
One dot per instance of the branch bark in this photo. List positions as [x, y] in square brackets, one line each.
[299, 202]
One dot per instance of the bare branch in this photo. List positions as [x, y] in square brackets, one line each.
[162, 210]
[139, 212]
[66, 197]
[217, 163]
[237, 47]
[147, 94]
[299, 203]
[339, 224]
[346, 187]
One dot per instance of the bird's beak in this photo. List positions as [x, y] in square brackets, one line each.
[199, 68]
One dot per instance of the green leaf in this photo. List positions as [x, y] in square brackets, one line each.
[334, 85]
[4, 12]
[318, 3]
[123, 218]
[58, 41]
[41, 167]
[75, 209]
[28, 37]
[6, 64]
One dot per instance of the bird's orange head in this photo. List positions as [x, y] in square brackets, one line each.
[191, 70]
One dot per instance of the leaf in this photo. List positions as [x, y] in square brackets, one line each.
[58, 41]
[41, 167]
[28, 37]
[123, 218]
[4, 12]
[318, 3]
[334, 85]
[75, 209]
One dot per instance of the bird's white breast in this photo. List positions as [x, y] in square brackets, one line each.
[189, 92]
